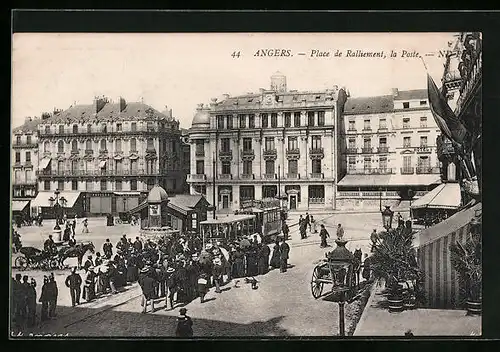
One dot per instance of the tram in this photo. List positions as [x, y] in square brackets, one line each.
[228, 228]
[268, 217]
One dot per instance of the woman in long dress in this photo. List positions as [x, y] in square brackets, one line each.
[275, 258]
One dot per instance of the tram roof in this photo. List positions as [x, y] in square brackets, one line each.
[231, 218]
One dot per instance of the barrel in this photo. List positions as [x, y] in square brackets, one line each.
[395, 304]
[409, 304]
[473, 307]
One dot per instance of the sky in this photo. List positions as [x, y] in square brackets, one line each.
[182, 70]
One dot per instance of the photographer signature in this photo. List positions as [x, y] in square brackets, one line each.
[22, 334]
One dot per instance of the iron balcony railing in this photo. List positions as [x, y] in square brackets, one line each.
[407, 170]
[352, 150]
[225, 176]
[197, 177]
[316, 175]
[383, 149]
[247, 176]
[200, 152]
[423, 149]
[316, 151]
[270, 152]
[367, 150]
[428, 170]
[138, 172]
[293, 176]
[269, 176]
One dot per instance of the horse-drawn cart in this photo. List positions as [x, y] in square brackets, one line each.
[34, 258]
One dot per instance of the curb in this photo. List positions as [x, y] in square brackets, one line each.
[367, 306]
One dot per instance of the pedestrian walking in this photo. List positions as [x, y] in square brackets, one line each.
[107, 249]
[31, 303]
[53, 293]
[25, 288]
[340, 232]
[400, 220]
[366, 268]
[307, 220]
[285, 230]
[73, 224]
[313, 225]
[184, 324]
[264, 253]
[74, 283]
[303, 230]
[147, 284]
[85, 224]
[89, 289]
[44, 298]
[217, 274]
[373, 238]
[284, 255]
[172, 287]
[275, 258]
[323, 234]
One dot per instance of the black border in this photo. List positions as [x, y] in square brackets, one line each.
[249, 21]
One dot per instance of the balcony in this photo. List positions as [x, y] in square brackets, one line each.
[102, 172]
[316, 153]
[293, 154]
[247, 154]
[316, 200]
[225, 155]
[407, 170]
[28, 164]
[383, 149]
[315, 175]
[367, 150]
[247, 176]
[199, 152]
[24, 145]
[352, 150]
[423, 149]
[293, 176]
[269, 176]
[270, 154]
[225, 177]
[428, 170]
[367, 129]
[101, 151]
[352, 130]
[383, 129]
[196, 177]
[371, 171]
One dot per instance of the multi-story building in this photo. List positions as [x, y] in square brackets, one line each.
[24, 162]
[186, 158]
[110, 152]
[390, 149]
[271, 143]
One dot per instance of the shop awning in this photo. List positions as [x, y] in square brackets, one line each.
[102, 164]
[139, 208]
[444, 196]
[132, 193]
[414, 180]
[44, 163]
[42, 198]
[365, 180]
[19, 205]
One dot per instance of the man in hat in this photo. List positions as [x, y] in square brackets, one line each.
[89, 285]
[285, 229]
[303, 229]
[53, 292]
[50, 246]
[340, 232]
[98, 259]
[44, 299]
[147, 284]
[217, 274]
[323, 234]
[373, 238]
[172, 287]
[284, 255]
[138, 244]
[74, 283]
[184, 324]
[88, 263]
[31, 303]
[25, 287]
[73, 224]
[307, 221]
[107, 248]
[85, 224]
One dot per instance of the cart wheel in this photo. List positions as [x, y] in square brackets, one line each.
[21, 263]
[53, 264]
[316, 286]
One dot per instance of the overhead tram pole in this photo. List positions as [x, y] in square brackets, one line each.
[214, 170]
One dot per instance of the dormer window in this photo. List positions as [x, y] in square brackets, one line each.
[61, 129]
[406, 105]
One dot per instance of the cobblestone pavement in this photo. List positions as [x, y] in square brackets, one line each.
[281, 306]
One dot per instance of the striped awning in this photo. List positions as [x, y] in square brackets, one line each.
[444, 196]
[42, 198]
[365, 180]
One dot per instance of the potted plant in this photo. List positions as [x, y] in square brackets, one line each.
[467, 261]
[394, 261]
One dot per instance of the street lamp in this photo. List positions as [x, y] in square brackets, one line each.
[57, 203]
[387, 215]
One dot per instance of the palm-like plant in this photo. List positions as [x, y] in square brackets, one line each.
[394, 258]
[467, 261]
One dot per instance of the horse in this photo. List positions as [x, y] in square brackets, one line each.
[357, 265]
[78, 251]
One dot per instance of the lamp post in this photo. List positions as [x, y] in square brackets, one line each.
[279, 185]
[57, 203]
[380, 198]
[387, 215]
[214, 171]
[411, 194]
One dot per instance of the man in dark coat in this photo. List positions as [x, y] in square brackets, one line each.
[25, 288]
[284, 255]
[218, 270]
[31, 303]
[285, 230]
[88, 263]
[323, 234]
[373, 238]
[50, 246]
[98, 259]
[184, 324]
[147, 284]
[74, 283]
[107, 248]
[44, 299]
[53, 292]
[172, 286]
[303, 229]
[138, 244]
[366, 268]
[307, 220]
[264, 253]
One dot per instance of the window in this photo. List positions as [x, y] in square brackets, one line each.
[423, 141]
[424, 162]
[200, 147]
[247, 167]
[293, 167]
[367, 143]
[264, 120]
[251, 121]
[60, 185]
[88, 165]
[220, 122]
[103, 144]
[226, 168]
[406, 142]
[310, 118]
[150, 167]
[316, 142]
[229, 119]
[352, 162]
[406, 122]
[133, 126]
[293, 143]
[367, 163]
[316, 166]
[382, 142]
[47, 129]
[382, 163]
[60, 147]
[119, 167]
[74, 166]
[321, 118]
[28, 157]
[367, 125]
[296, 119]
[382, 124]
[242, 119]
[18, 157]
[75, 129]
[104, 128]
[88, 144]
[150, 144]
[46, 185]
[150, 126]
[133, 145]
[406, 105]
[247, 192]
[274, 120]
[118, 185]
[423, 102]
[352, 125]
[133, 166]
[89, 128]
[74, 185]
[316, 194]
[406, 162]
[423, 122]
[119, 127]
[28, 139]
[118, 145]
[352, 142]
[46, 147]
[74, 146]
[225, 145]
[61, 129]
[200, 167]
[104, 185]
[247, 144]
[269, 143]
[270, 167]
[288, 119]
[18, 140]
[269, 191]
[133, 185]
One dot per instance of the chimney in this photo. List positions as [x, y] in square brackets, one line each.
[27, 119]
[99, 103]
[123, 104]
[226, 96]
[394, 92]
[45, 115]
[170, 113]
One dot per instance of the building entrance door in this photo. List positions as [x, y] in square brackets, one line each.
[225, 201]
[293, 202]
